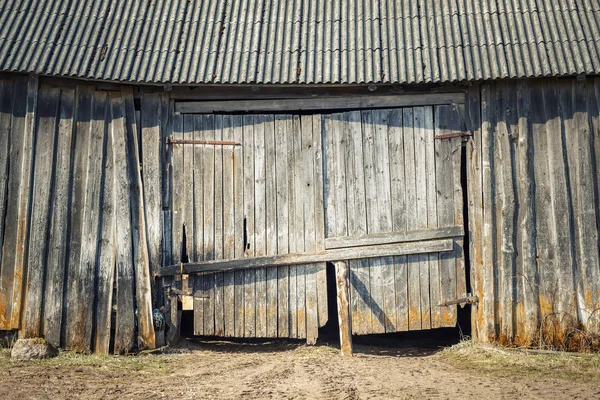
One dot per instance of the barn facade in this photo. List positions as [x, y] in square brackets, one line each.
[437, 152]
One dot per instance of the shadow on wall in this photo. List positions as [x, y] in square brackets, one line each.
[539, 279]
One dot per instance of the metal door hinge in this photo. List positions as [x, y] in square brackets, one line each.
[454, 135]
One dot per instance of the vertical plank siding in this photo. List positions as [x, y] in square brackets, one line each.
[534, 210]
[93, 201]
[74, 224]
[258, 198]
[385, 171]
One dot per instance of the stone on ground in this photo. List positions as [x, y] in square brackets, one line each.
[32, 349]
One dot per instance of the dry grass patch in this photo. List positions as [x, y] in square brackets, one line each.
[68, 359]
[508, 362]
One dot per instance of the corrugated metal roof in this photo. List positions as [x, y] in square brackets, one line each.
[300, 41]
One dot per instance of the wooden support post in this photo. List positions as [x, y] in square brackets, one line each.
[341, 277]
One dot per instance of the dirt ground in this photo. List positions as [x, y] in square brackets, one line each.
[230, 370]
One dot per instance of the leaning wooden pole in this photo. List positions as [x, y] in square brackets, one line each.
[341, 277]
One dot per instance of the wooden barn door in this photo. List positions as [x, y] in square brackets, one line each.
[397, 170]
[247, 186]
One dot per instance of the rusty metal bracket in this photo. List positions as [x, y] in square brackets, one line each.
[177, 292]
[205, 142]
[462, 302]
[454, 135]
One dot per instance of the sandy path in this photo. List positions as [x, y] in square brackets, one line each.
[221, 370]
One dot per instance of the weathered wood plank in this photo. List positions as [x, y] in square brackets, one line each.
[300, 221]
[414, 299]
[487, 328]
[176, 219]
[355, 253]
[6, 107]
[341, 273]
[260, 223]
[271, 225]
[219, 210]
[376, 266]
[527, 306]
[58, 237]
[475, 196]
[47, 113]
[209, 198]
[422, 125]
[153, 117]
[195, 165]
[446, 118]
[249, 250]
[396, 235]
[16, 219]
[283, 129]
[145, 328]
[92, 109]
[432, 220]
[506, 210]
[577, 144]
[124, 341]
[399, 211]
[229, 226]
[331, 103]
[383, 214]
[106, 264]
[359, 269]
[239, 221]
[310, 239]
[199, 304]
[321, 274]
[79, 183]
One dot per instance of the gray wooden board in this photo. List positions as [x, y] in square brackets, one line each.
[413, 279]
[16, 219]
[249, 276]
[283, 128]
[207, 132]
[487, 162]
[143, 290]
[362, 102]
[238, 193]
[298, 233]
[152, 118]
[376, 266]
[80, 167]
[321, 273]
[506, 206]
[82, 323]
[390, 237]
[48, 104]
[445, 117]
[422, 120]
[57, 246]
[106, 259]
[576, 136]
[271, 226]
[260, 206]
[229, 225]
[125, 318]
[432, 220]
[6, 106]
[398, 220]
[310, 231]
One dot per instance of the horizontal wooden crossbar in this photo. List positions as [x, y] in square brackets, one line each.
[342, 242]
[388, 250]
[325, 103]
